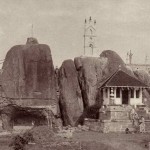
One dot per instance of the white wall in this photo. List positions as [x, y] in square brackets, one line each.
[117, 101]
[136, 101]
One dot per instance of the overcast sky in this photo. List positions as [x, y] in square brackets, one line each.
[121, 25]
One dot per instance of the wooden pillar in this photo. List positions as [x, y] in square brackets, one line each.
[121, 95]
[141, 93]
[49, 118]
[104, 95]
[108, 90]
[112, 99]
[129, 91]
[115, 89]
[103, 91]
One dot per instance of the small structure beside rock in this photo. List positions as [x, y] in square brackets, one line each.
[122, 94]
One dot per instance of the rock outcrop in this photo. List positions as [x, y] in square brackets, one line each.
[28, 72]
[142, 76]
[71, 104]
[89, 75]
[7, 116]
[92, 72]
[114, 61]
[145, 78]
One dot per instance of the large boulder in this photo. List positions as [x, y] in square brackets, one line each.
[71, 104]
[144, 77]
[92, 72]
[114, 61]
[28, 73]
[89, 75]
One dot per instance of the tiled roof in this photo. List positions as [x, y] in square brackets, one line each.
[122, 79]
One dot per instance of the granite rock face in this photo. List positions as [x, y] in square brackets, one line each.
[71, 104]
[89, 75]
[114, 61]
[142, 76]
[145, 78]
[92, 72]
[28, 79]
[28, 72]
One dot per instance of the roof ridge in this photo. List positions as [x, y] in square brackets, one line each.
[134, 77]
[127, 75]
[108, 78]
[119, 69]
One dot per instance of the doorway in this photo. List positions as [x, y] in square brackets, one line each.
[125, 96]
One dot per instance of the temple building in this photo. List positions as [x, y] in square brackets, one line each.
[121, 88]
[122, 101]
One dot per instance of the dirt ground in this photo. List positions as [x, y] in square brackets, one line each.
[96, 141]
[116, 141]
[4, 142]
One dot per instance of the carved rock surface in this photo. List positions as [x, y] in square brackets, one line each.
[71, 104]
[28, 72]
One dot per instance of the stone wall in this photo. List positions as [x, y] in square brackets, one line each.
[147, 125]
[116, 119]
[116, 126]
[115, 112]
[1, 126]
[93, 124]
[114, 115]
[105, 126]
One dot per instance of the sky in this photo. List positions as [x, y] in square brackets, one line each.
[122, 25]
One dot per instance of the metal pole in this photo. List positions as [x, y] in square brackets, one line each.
[32, 30]
[84, 44]
[84, 35]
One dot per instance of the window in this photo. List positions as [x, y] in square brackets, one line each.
[137, 93]
[132, 93]
[118, 92]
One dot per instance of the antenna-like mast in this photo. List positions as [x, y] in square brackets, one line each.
[130, 57]
[146, 59]
[127, 59]
[32, 30]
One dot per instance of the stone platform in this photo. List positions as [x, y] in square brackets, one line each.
[106, 126]
[116, 112]
[116, 119]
